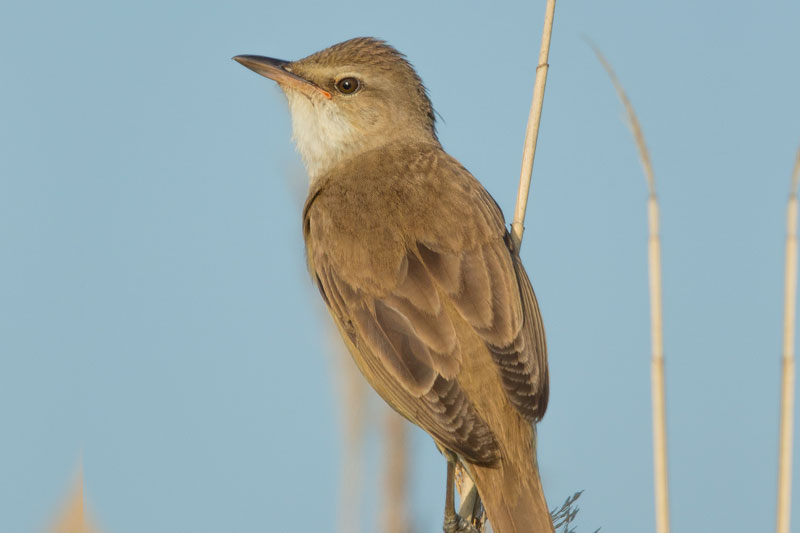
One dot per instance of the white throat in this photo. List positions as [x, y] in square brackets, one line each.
[323, 137]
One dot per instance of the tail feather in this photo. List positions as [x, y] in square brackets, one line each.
[513, 497]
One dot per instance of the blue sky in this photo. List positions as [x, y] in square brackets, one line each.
[155, 314]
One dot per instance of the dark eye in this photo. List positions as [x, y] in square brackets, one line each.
[348, 85]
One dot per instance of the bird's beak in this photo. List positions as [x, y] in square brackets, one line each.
[274, 70]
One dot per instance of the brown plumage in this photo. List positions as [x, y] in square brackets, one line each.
[413, 260]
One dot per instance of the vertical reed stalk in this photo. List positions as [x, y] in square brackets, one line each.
[660, 477]
[787, 366]
[465, 484]
[657, 372]
[532, 130]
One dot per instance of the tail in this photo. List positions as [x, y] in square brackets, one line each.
[512, 495]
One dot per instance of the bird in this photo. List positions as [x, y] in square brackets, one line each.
[416, 266]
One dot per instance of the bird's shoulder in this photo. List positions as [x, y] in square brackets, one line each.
[367, 212]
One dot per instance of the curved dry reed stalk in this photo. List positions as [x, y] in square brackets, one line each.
[654, 267]
[532, 130]
[787, 367]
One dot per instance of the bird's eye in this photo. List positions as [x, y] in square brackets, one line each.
[348, 85]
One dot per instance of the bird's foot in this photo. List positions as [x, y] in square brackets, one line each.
[456, 524]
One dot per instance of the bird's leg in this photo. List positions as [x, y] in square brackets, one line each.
[454, 522]
[451, 519]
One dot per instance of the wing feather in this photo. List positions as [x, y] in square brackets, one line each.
[407, 341]
[389, 299]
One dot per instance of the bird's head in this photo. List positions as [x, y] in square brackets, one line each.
[352, 97]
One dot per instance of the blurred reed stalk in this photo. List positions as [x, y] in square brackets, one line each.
[395, 507]
[654, 266]
[532, 130]
[73, 517]
[787, 366]
[353, 397]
